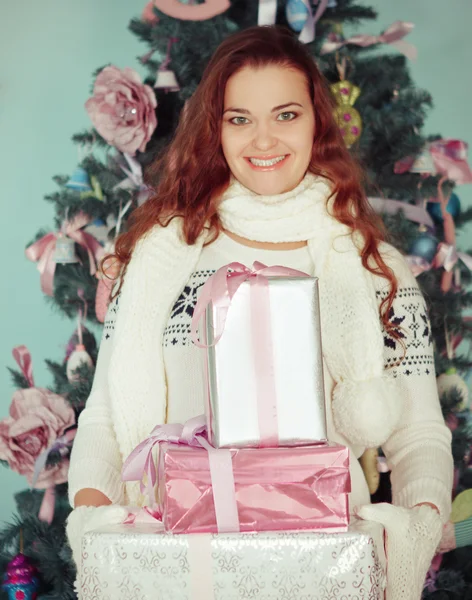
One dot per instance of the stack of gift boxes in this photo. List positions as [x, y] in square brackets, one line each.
[252, 497]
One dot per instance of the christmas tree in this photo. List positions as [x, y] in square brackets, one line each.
[411, 181]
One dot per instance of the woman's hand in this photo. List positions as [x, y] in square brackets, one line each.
[90, 497]
[412, 537]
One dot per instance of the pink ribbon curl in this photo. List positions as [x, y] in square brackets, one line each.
[393, 35]
[42, 251]
[140, 463]
[22, 356]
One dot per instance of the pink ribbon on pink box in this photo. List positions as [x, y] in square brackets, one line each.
[140, 463]
[219, 291]
[42, 251]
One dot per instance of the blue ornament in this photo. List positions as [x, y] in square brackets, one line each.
[424, 246]
[79, 181]
[297, 14]
[453, 208]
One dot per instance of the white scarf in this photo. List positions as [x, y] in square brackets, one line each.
[366, 401]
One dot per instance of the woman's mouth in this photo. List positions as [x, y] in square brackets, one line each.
[270, 163]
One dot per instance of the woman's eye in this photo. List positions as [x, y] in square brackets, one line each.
[238, 120]
[287, 116]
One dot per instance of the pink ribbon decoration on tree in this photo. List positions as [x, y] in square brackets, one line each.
[415, 213]
[22, 356]
[446, 254]
[219, 290]
[42, 251]
[448, 158]
[140, 463]
[393, 35]
[267, 14]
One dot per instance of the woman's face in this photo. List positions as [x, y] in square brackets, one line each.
[268, 128]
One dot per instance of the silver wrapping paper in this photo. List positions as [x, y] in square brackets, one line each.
[297, 367]
[136, 562]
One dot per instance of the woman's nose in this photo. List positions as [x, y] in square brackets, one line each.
[264, 138]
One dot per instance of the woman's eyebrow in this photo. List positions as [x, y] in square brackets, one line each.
[244, 111]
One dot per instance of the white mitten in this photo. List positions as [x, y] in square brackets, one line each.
[87, 518]
[413, 535]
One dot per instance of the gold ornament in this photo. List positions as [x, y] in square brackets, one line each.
[462, 507]
[347, 117]
[368, 463]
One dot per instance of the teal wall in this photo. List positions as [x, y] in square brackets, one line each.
[48, 52]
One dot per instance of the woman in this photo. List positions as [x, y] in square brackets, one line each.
[258, 170]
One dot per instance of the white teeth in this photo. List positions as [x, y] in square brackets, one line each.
[266, 163]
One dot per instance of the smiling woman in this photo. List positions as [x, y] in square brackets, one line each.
[258, 171]
[269, 148]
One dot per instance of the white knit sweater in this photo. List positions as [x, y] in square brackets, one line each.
[418, 452]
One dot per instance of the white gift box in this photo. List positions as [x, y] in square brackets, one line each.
[140, 562]
[269, 348]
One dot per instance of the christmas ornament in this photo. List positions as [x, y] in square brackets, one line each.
[424, 246]
[43, 251]
[453, 208]
[20, 581]
[64, 252]
[37, 417]
[296, 12]
[347, 117]
[123, 109]
[80, 355]
[166, 80]
[447, 255]
[447, 157]
[369, 461]
[452, 380]
[78, 358]
[95, 191]
[165, 77]
[462, 507]
[299, 15]
[79, 181]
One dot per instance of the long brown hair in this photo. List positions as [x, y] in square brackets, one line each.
[192, 172]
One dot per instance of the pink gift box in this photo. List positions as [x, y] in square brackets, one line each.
[300, 488]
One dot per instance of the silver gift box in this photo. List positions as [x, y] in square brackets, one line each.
[139, 562]
[297, 368]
